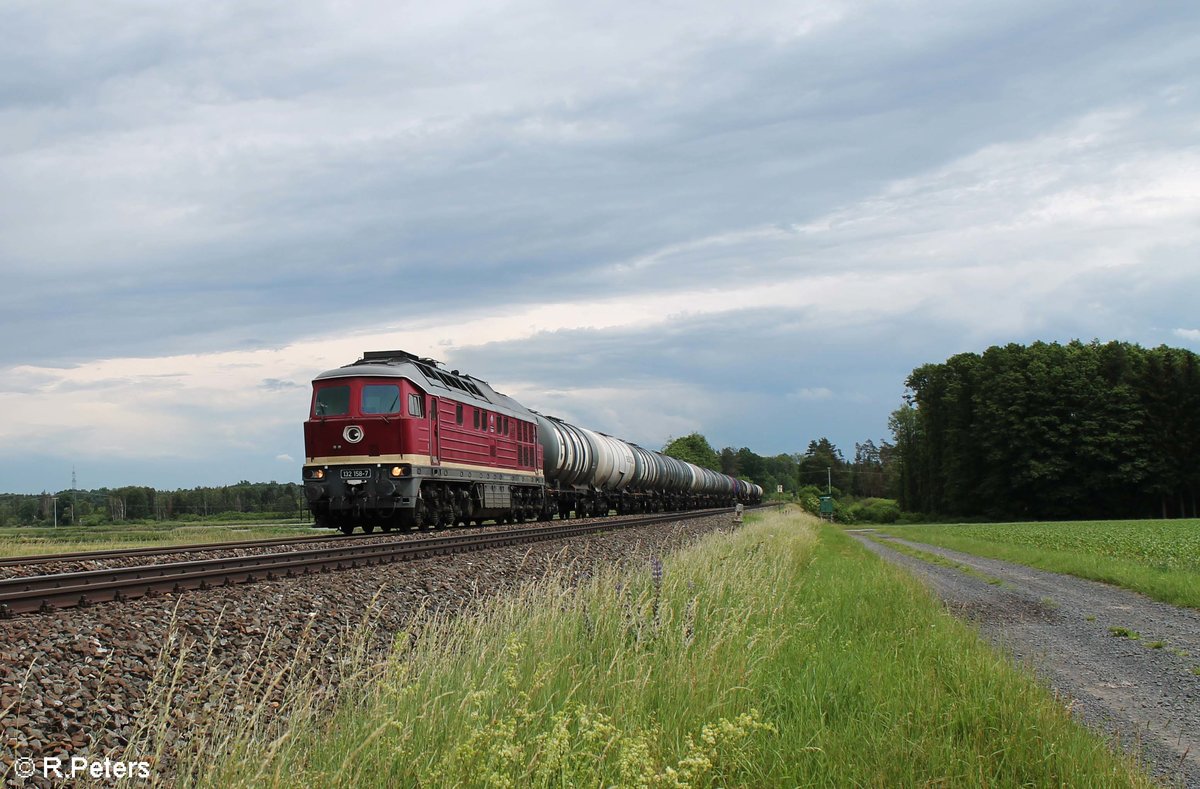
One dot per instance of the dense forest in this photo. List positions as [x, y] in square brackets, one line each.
[1052, 431]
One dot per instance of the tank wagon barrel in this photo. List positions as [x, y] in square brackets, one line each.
[395, 440]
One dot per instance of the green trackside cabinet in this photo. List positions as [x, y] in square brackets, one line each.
[827, 506]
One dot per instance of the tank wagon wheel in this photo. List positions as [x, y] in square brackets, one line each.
[346, 529]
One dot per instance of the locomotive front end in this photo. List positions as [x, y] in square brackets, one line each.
[358, 471]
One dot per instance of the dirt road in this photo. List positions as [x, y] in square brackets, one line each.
[1142, 691]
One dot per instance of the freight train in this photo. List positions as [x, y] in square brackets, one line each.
[396, 441]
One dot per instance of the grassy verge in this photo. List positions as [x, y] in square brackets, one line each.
[1158, 559]
[33, 541]
[933, 558]
[783, 654]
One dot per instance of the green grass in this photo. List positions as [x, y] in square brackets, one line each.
[33, 541]
[1160, 559]
[782, 654]
[941, 561]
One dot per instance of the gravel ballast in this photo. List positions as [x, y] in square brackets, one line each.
[1147, 697]
[75, 682]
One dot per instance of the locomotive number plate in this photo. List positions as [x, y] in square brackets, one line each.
[356, 473]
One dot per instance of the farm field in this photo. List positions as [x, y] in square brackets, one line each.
[781, 654]
[1158, 558]
[34, 541]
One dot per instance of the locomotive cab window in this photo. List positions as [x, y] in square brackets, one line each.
[458, 411]
[332, 401]
[381, 399]
[415, 405]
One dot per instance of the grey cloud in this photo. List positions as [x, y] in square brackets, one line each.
[346, 230]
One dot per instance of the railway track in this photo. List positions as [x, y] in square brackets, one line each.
[67, 590]
[162, 550]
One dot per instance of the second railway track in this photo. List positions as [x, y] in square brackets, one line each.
[31, 594]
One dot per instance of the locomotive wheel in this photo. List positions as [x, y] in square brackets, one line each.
[368, 528]
[420, 515]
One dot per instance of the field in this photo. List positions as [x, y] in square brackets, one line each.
[782, 654]
[1159, 558]
[32, 541]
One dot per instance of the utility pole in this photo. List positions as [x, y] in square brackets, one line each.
[54, 499]
[829, 482]
[74, 486]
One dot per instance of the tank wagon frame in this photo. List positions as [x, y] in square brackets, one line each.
[394, 440]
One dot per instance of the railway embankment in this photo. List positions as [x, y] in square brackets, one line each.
[142, 679]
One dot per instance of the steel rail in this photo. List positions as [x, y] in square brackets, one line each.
[66, 590]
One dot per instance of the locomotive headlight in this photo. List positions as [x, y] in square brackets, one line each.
[318, 473]
[397, 471]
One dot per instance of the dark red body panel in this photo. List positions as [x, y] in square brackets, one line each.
[450, 431]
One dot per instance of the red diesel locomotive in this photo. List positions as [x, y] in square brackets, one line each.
[397, 441]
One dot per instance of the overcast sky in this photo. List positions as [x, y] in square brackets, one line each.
[747, 219]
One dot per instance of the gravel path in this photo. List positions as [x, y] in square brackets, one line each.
[1147, 698]
[81, 681]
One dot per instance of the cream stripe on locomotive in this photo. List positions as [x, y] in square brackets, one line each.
[415, 460]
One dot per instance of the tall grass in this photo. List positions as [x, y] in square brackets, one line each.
[781, 654]
[1160, 559]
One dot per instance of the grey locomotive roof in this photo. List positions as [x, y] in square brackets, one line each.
[428, 374]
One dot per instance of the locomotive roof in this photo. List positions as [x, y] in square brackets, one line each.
[428, 374]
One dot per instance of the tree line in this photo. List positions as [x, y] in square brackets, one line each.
[137, 502]
[861, 486]
[1050, 431]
